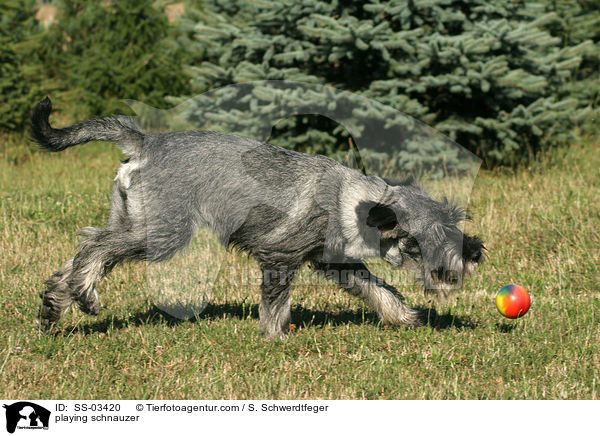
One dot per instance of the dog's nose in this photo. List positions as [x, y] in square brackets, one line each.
[476, 257]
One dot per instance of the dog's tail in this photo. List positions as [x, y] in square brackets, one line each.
[119, 129]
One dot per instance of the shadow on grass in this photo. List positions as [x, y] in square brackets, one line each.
[448, 321]
[504, 327]
[301, 317]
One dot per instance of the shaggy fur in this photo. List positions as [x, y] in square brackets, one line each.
[284, 208]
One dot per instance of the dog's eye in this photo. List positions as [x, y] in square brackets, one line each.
[411, 243]
[411, 247]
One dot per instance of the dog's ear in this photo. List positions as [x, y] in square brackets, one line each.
[383, 216]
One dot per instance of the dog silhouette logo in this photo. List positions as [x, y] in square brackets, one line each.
[26, 415]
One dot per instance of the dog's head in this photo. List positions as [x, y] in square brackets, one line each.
[423, 234]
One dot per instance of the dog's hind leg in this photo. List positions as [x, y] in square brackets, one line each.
[76, 282]
[98, 254]
[124, 239]
[274, 308]
[56, 298]
[356, 279]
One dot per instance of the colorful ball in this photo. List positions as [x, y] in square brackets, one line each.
[513, 301]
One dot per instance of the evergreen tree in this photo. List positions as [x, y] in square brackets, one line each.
[580, 22]
[487, 74]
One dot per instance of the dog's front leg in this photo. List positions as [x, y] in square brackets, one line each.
[356, 279]
[274, 309]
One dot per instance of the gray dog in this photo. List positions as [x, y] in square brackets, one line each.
[284, 208]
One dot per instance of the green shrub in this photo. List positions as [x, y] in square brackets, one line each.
[115, 50]
[19, 85]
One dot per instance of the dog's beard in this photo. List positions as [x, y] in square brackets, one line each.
[470, 268]
[440, 290]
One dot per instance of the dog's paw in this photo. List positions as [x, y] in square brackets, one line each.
[274, 332]
[46, 322]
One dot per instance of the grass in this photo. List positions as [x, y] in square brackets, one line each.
[541, 226]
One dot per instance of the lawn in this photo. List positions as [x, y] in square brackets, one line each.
[540, 223]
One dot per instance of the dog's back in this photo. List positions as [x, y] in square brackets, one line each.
[251, 194]
[241, 188]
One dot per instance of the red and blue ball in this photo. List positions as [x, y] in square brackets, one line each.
[513, 301]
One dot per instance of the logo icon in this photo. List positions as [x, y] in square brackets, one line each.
[26, 415]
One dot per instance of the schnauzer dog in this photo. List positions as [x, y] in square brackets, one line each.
[283, 207]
